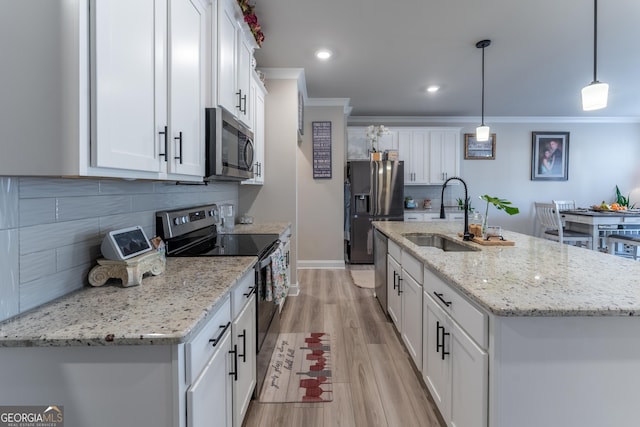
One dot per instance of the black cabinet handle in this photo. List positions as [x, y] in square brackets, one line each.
[440, 345]
[179, 139]
[239, 93]
[395, 274]
[288, 258]
[234, 373]
[399, 280]
[244, 102]
[216, 340]
[251, 291]
[243, 335]
[441, 298]
[164, 133]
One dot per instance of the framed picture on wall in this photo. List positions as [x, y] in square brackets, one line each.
[549, 156]
[479, 150]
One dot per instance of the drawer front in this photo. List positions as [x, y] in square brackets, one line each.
[412, 266]
[471, 319]
[200, 349]
[413, 217]
[241, 293]
[394, 250]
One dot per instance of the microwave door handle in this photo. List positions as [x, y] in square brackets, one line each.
[248, 154]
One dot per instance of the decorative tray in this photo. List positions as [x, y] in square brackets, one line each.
[493, 241]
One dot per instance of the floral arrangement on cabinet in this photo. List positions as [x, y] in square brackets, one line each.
[373, 135]
[252, 20]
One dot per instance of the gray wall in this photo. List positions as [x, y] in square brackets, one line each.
[51, 229]
[320, 228]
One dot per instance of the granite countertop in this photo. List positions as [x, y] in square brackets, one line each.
[164, 309]
[536, 277]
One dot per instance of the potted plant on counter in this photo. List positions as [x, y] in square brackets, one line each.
[500, 204]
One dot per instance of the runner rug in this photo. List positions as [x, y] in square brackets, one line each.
[300, 369]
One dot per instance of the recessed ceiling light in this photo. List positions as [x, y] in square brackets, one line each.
[324, 54]
[433, 88]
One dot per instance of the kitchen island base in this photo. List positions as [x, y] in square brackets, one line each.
[564, 371]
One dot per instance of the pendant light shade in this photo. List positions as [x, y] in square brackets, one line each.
[594, 95]
[482, 131]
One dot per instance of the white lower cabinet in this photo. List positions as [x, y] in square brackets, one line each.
[455, 367]
[394, 291]
[243, 330]
[209, 398]
[412, 317]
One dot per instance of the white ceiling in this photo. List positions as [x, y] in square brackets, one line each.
[388, 51]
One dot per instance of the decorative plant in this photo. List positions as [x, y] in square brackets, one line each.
[373, 135]
[461, 204]
[252, 20]
[500, 204]
[623, 201]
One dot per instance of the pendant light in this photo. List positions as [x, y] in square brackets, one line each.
[594, 95]
[482, 131]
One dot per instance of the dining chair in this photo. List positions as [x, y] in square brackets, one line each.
[564, 205]
[550, 225]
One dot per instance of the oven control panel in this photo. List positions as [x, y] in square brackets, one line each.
[177, 222]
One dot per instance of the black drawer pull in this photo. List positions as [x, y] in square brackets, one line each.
[441, 298]
[234, 373]
[216, 340]
[251, 291]
[399, 280]
[164, 133]
[179, 139]
[243, 335]
[395, 274]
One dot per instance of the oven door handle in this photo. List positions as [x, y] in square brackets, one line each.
[266, 258]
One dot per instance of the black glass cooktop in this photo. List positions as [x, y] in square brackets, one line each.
[229, 245]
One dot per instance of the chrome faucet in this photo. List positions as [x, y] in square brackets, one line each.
[466, 235]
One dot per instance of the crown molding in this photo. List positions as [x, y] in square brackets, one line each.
[288, 74]
[330, 102]
[410, 120]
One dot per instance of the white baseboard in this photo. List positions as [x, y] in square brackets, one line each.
[321, 265]
[294, 290]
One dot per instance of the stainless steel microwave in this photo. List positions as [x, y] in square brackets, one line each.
[229, 146]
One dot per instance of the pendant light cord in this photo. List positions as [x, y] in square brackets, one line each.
[595, 40]
[482, 121]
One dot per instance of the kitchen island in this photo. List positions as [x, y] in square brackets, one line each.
[548, 334]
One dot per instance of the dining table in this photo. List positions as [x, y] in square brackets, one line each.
[602, 223]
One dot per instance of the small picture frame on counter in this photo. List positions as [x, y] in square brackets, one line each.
[479, 150]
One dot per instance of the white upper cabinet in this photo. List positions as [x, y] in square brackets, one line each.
[431, 155]
[444, 155]
[235, 56]
[413, 149]
[147, 86]
[113, 84]
[258, 93]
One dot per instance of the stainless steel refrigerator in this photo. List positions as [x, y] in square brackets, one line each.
[376, 194]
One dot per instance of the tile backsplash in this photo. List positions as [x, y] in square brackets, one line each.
[51, 229]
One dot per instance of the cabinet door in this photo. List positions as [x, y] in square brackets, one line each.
[404, 154]
[128, 81]
[227, 39]
[412, 317]
[435, 364]
[245, 53]
[413, 150]
[243, 330]
[186, 87]
[444, 155]
[394, 291]
[469, 380]
[413, 217]
[209, 399]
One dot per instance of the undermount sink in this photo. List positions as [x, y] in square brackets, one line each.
[434, 240]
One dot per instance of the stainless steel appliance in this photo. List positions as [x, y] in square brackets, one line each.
[192, 232]
[376, 194]
[380, 255]
[229, 147]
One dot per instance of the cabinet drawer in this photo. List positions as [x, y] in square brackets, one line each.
[472, 320]
[242, 292]
[394, 250]
[200, 349]
[413, 217]
[412, 266]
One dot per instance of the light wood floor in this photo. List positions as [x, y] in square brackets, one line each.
[374, 382]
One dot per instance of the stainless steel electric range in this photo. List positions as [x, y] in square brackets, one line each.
[193, 232]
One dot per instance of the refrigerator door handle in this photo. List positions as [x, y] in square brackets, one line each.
[374, 189]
